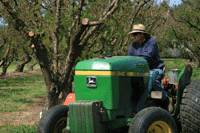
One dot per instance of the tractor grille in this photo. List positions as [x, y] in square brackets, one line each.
[85, 117]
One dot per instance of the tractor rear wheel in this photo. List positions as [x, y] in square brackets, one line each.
[153, 120]
[54, 120]
[190, 108]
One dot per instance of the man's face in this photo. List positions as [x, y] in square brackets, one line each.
[138, 37]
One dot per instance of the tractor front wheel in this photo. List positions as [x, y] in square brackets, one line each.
[54, 120]
[153, 120]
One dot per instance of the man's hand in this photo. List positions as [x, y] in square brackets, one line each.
[163, 69]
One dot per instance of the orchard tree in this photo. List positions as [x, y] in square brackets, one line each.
[23, 53]
[57, 31]
[62, 32]
[114, 39]
[12, 47]
[186, 26]
[8, 56]
[30, 66]
[7, 48]
[112, 36]
[25, 58]
[156, 19]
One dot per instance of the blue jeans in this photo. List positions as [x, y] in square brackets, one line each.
[156, 86]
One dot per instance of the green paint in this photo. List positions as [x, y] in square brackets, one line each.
[183, 80]
[87, 118]
[116, 63]
[109, 90]
[118, 123]
[114, 91]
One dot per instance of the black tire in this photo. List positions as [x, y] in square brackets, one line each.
[53, 120]
[190, 108]
[153, 119]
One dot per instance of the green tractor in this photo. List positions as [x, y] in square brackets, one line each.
[107, 90]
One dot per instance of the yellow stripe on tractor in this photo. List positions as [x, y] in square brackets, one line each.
[112, 73]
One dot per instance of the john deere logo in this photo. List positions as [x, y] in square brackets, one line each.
[91, 82]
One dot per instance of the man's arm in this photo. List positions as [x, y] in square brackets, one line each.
[131, 51]
[149, 50]
[151, 54]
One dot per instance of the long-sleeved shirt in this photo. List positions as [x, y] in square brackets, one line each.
[149, 51]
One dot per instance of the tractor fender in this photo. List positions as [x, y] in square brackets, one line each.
[183, 81]
[70, 98]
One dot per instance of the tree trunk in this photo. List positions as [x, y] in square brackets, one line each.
[20, 67]
[198, 64]
[5, 65]
[194, 57]
[57, 82]
[30, 67]
[4, 69]
[67, 89]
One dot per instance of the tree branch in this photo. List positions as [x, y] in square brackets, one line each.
[56, 36]
[85, 21]
[191, 25]
[89, 33]
[185, 21]
[176, 34]
[19, 24]
[16, 3]
[135, 15]
[98, 50]
[47, 8]
[79, 10]
[4, 42]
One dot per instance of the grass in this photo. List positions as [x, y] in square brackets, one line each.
[9, 128]
[196, 73]
[13, 65]
[179, 63]
[17, 93]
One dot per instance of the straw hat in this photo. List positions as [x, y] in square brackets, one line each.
[138, 28]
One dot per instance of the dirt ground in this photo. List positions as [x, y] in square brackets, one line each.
[19, 74]
[30, 114]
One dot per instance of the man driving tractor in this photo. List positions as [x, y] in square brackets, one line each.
[146, 47]
[117, 92]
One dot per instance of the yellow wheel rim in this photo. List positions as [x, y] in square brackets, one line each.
[159, 127]
[60, 125]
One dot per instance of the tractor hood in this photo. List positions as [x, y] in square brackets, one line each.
[115, 63]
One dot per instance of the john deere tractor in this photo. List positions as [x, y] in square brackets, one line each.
[107, 90]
